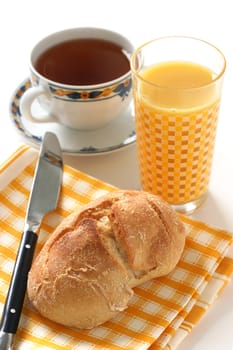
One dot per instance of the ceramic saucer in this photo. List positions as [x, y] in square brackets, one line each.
[114, 136]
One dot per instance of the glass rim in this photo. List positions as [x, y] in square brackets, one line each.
[138, 75]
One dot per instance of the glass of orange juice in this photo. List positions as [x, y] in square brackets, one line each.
[177, 85]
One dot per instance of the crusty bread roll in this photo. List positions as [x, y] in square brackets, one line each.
[85, 272]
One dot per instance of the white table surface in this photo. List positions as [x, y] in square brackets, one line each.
[23, 23]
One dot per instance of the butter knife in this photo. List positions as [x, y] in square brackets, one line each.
[43, 199]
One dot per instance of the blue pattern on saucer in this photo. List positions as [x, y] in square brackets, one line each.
[116, 135]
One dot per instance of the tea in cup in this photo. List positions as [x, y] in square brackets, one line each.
[177, 86]
[81, 77]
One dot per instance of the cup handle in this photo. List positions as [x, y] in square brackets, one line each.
[26, 105]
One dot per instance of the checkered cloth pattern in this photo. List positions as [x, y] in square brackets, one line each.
[161, 313]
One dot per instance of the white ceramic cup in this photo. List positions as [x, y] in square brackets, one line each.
[77, 106]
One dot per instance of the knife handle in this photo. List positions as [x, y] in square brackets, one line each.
[17, 289]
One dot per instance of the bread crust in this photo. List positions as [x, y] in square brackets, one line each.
[85, 272]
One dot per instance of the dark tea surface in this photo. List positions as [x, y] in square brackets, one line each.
[83, 62]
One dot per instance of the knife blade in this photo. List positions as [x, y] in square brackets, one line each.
[43, 198]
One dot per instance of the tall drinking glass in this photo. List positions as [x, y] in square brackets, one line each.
[177, 85]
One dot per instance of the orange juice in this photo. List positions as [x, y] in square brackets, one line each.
[176, 108]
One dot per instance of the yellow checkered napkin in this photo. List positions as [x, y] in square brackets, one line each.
[161, 313]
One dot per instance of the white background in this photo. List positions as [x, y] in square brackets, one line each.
[23, 23]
